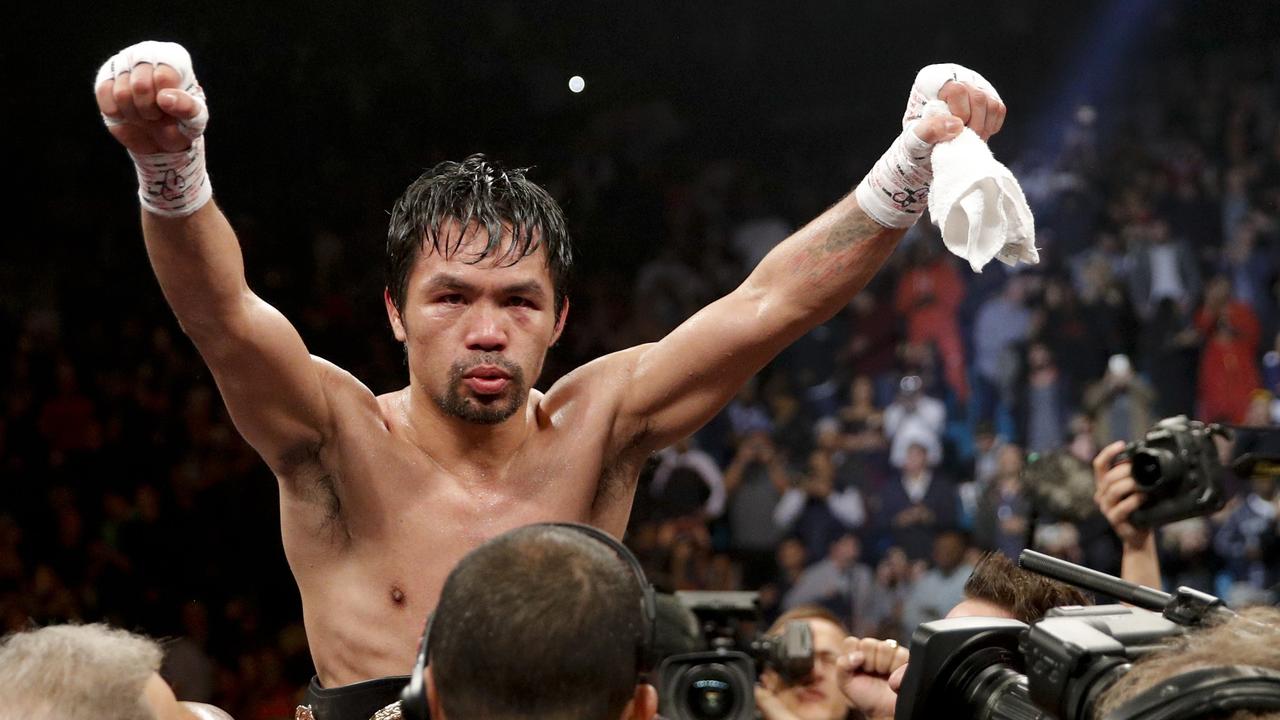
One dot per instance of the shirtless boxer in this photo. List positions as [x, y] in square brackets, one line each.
[381, 495]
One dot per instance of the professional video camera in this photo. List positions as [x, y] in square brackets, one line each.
[1177, 466]
[992, 668]
[718, 684]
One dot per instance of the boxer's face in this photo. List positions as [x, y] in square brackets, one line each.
[820, 698]
[476, 333]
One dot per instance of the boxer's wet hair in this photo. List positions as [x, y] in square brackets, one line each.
[482, 192]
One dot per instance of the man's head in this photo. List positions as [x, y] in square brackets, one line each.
[1251, 638]
[541, 622]
[845, 550]
[998, 588]
[83, 672]
[948, 550]
[478, 259]
[917, 460]
[819, 698]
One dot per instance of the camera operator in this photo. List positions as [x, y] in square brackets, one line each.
[1250, 638]
[88, 672]
[820, 696]
[872, 670]
[540, 622]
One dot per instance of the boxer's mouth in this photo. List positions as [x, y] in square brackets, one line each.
[486, 379]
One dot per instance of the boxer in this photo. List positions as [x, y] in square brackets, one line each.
[382, 494]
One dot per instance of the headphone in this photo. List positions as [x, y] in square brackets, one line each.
[413, 699]
[1206, 691]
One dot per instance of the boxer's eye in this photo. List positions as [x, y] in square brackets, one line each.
[452, 299]
[517, 301]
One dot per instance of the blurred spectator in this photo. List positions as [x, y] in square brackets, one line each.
[1160, 267]
[687, 482]
[815, 511]
[1171, 348]
[942, 586]
[917, 506]
[1248, 542]
[755, 481]
[840, 582]
[872, 345]
[1002, 323]
[1228, 367]
[1119, 404]
[1004, 511]
[914, 418]
[1045, 402]
[928, 295]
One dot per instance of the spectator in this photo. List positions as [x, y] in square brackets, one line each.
[1046, 403]
[816, 511]
[918, 505]
[942, 586]
[1250, 546]
[840, 582]
[1004, 512]
[914, 419]
[687, 482]
[755, 481]
[1119, 404]
[1228, 368]
[928, 295]
[1002, 323]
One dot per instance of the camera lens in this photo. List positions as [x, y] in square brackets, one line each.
[1153, 467]
[710, 692]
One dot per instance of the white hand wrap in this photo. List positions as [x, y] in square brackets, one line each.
[169, 184]
[896, 191]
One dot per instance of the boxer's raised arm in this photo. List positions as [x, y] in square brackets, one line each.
[672, 387]
[273, 388]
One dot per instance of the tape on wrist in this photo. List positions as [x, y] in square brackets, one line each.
[173, 184]
[896, 191]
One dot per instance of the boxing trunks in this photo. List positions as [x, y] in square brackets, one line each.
[369, 700]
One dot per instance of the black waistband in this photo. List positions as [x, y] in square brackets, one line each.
[357, 701]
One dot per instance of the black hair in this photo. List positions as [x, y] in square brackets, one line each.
[476, 190]
[541, 622]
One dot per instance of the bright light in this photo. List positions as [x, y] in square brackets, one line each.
[576, 84]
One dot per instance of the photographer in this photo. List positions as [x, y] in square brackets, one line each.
[820, 697]
[872, 670]
[540, 622]
[88, 672]
[1117, 496]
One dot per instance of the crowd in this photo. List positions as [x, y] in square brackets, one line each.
[863, 470]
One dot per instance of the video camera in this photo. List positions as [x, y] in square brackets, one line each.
[1176, 465]
[992, 668]
[719, 683]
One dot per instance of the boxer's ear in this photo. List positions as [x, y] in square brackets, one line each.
[393, 314]
[560, 320]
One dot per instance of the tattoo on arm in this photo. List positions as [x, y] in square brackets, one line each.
[835, 255]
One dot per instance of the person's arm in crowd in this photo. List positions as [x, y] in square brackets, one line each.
[274, 389]
[848, 507]
[701, 463]
[1117, 496]
[789, 506]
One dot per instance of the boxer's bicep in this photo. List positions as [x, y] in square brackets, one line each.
[680, 382]
[273, 387]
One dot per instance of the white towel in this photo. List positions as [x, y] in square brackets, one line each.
[977, 203]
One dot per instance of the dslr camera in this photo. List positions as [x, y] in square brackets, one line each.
[719, 682]
[1176, 465]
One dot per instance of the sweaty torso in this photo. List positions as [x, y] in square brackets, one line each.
[372, 524]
